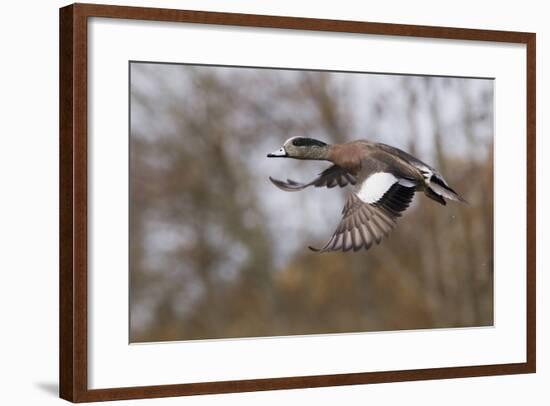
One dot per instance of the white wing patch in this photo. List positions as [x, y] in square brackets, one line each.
[375, 186]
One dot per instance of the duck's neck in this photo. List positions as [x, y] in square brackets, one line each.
[318, 153]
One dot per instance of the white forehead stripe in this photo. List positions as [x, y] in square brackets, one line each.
[375, 186]
[290, 139]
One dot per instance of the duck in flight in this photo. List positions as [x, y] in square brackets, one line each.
[384, 180]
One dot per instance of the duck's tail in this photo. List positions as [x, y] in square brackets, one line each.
[438, 190]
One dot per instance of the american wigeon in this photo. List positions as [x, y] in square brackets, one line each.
[385, 179]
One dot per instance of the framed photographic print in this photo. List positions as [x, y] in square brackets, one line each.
[255, 202]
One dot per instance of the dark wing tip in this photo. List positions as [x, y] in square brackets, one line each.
[288, 186]
[276, 182]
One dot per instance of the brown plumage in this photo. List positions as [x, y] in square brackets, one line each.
[384, 178]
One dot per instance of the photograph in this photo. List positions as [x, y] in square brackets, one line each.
[391, 227]
[269, 203]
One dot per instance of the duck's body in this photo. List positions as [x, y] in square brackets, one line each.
[384, 179]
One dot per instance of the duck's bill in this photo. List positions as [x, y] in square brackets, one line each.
[280, 153]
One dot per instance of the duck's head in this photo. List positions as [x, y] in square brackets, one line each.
[302, 148]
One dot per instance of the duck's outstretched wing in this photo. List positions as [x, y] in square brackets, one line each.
[332, 176]
[364, 224]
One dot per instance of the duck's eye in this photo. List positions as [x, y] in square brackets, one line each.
[303, 142]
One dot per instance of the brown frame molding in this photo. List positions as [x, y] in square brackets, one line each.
[73, 361]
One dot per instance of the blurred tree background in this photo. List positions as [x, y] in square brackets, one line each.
[217, 251]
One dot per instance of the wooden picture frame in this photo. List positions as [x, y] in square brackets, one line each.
[73, 207]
